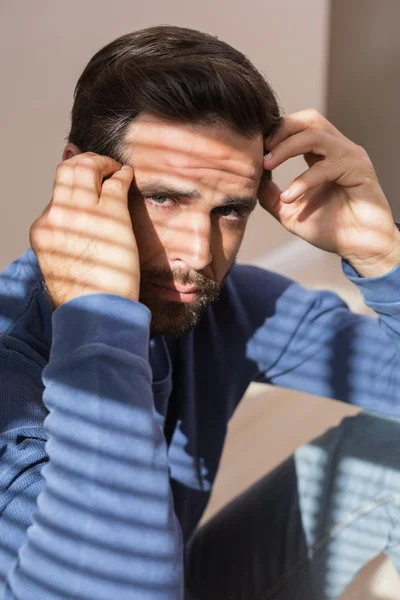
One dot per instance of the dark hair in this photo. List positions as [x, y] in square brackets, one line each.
[173, 72]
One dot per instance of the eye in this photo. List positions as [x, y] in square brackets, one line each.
[234, 212]
[159, 200]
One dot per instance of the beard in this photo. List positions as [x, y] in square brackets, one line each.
[176, 318]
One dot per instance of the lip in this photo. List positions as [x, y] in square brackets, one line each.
[181, 290]
[178, 294]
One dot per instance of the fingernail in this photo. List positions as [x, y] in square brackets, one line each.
[287, 193]
[125, 167]
[268, 156]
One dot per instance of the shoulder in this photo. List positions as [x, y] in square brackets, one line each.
[25, 341]
[25, 314]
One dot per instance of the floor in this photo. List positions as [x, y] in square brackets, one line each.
[271, 422]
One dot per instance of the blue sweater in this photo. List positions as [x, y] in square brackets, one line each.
[94, 503]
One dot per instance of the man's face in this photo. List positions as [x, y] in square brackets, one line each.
[194, 188]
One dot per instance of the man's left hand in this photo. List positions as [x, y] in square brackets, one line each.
[337, 204]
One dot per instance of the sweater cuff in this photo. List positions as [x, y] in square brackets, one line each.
[384, 288]
[101, 318]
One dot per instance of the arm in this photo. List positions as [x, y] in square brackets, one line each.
[338, 205]
[104, 525]
[312, 342]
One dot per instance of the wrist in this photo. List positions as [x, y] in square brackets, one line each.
[381, 263]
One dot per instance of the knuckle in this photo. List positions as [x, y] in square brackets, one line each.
[33, 226]
[34, 232]
[85, 155]
[86, 161]
[317, 130]
[299, 181]
[313, 115]
[61, 169]
[113, 185]
[368, 180]
[362, 151]
[325, 164]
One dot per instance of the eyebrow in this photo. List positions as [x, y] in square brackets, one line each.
[158, 188]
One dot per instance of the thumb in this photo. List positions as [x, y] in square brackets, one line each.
[269, 198]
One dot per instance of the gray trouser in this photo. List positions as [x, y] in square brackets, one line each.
[305, 530]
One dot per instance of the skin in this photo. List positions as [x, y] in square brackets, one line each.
[192, 242]
[180, 241]
[337, 204]
[116, 236]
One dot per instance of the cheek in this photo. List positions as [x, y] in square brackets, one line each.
[232, 238]
[146, 232]
[226, 245]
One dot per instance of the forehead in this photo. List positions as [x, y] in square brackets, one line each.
[152, 143]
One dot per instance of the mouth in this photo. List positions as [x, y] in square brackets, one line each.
[177, 293]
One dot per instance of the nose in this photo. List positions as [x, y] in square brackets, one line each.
[191, 240]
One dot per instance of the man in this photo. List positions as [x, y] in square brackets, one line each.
[129, 336]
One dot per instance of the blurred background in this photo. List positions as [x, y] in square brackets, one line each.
[340, 57]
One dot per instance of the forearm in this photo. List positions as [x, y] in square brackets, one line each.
[105, 525]
[382, 262]
[312, 342]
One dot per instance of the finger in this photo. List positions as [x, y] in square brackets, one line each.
[89, 171]
[297, 122]
[321, 172]
[310, 141]
[63, 184]
[269, 197]
[114, 192]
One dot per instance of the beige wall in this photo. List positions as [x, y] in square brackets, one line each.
[44, 45]
[364, 83]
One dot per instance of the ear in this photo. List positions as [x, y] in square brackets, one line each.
[70, 150]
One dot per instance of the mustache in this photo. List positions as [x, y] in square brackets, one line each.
[179, 276]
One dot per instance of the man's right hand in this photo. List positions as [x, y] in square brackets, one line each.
[84, 241]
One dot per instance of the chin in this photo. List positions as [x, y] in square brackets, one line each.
[175, 319]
